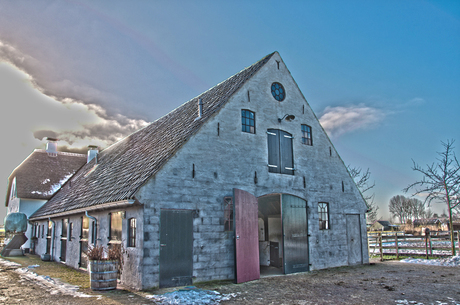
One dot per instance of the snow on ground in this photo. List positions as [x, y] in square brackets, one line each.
[450, 302]
[453, 261]
[54, 286]
[191, 295]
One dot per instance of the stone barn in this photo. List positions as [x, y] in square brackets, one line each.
[239, 182]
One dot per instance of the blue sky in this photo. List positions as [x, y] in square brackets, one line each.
[382, 76]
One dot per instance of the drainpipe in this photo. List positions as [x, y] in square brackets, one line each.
[95, 226]
[52, 238]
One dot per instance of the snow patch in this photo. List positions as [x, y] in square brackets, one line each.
[453, 261]
[191, 295]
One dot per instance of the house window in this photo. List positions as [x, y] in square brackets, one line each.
[280, 156]
[306, 135]
[115, 226]
[323, 215]
[248, 119]
[43, 230]
[228, 214]
[132, 232]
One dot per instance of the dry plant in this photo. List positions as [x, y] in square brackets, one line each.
[115, 252]
[95, 253]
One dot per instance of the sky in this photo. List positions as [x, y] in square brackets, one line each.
[383, 76]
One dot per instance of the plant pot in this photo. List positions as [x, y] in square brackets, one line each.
[103, 274]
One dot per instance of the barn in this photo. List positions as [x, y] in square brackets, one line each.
[239, 182]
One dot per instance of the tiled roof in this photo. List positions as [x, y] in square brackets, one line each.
[40, 175]
[123, 167]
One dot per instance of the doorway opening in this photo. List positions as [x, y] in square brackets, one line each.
[270, 235]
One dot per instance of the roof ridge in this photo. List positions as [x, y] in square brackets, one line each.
[64, 153]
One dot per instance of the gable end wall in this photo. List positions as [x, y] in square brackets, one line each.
[229, 159]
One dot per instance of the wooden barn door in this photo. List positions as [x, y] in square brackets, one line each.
[176, 248]
[295, 231]
[355, 254]
[246, 236]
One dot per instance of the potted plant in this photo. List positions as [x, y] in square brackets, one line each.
[104, 266]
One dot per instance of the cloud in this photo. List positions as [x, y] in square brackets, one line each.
[74, 122]
[343, 119]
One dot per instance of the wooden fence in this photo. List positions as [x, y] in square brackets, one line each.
[435, 244]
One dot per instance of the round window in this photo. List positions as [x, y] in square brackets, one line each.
[278, 92]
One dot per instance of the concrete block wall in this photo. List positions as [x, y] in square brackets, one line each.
[230, 159]
[133, 256]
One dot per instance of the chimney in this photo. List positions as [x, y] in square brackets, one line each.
[92, 153]
[51, 147]
[200, 108]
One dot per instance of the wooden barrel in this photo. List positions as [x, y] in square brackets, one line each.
[103, 275]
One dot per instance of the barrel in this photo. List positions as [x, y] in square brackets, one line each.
[103, 274]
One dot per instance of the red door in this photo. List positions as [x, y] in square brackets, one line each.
[246, 236]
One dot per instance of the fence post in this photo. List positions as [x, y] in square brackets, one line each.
[381, 246]
[396, 245]
[458, 240]
[427, 235]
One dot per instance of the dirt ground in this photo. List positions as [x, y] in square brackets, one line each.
[379, 283]
[388, 282]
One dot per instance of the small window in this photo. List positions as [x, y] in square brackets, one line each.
[93, 232]
[70, 230]
[65, 223]
[278, 92]
[84, 234]
[228, 214]
[323, 215]
[115, 226]
[248, 120]
[132, 232]
[306, 135]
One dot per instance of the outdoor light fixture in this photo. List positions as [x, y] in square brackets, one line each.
[288, 117]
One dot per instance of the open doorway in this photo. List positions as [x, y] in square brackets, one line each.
[270, 235]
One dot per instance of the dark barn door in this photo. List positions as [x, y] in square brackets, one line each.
[246, 236]
[176, 248]
[355, 256]
[295, 233]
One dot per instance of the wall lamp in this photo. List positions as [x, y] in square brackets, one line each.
[288, 117]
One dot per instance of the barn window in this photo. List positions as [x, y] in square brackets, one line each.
[65, 223]
[115, 226]
[280, 156]
[228, 213]
[84, 233]
[93, 232]
[70, 230]
[306, 135]
[48, 237]
[248, 121]
[132, 232]
[323, 215]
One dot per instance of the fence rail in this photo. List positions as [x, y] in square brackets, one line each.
[435, 244]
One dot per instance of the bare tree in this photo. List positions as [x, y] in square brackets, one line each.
[406, 209]
[362, 182]
[441, 182]
[397, 207]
